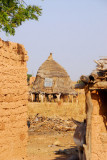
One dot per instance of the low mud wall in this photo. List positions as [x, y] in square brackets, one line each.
[13, 101]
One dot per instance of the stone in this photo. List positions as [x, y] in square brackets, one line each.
[57, 143]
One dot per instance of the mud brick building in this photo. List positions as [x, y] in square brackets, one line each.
[95, 86]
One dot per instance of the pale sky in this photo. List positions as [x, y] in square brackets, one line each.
[75, 31]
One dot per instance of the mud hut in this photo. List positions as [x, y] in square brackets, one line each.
[52, 82]
[95, 86]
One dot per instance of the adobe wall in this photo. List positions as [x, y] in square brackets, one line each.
[99, 126]
[31, 81]
[96, 134]
[13, 101]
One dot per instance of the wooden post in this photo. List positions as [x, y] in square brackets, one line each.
[72, 99]
[89, 109]
[58, 97]
[32, 97]
[40, 97]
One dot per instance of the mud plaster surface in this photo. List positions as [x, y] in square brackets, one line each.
[13, 101]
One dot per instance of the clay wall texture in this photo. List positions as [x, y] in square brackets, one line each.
[99, 126]
[32, 79]
[13, 101]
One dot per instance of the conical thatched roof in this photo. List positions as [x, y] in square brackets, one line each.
[52, 78]
[50, 68]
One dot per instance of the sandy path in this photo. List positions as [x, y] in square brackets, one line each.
[42, 147]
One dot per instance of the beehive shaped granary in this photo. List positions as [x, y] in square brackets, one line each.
[52, 78]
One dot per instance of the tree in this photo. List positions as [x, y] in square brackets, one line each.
[28, 77]
[14, 12]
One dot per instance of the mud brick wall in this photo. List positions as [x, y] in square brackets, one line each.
[99, 126]
[96, 134]
[32, 79]
[13, 101]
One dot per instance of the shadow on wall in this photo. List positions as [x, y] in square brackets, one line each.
[101, 97]
[103, 105]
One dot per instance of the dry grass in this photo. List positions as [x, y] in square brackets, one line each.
[63, 110]
[38, 144]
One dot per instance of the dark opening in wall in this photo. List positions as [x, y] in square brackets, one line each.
[103, 105]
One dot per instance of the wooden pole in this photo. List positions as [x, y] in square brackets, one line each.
[89, 109]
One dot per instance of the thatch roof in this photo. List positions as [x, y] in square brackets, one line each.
[52, 78]
[50, 68]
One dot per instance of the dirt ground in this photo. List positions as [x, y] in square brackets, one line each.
[48, 146]
[51, 130]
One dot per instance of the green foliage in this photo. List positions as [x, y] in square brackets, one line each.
[14, 12]
[28, 77]
[79, 81]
